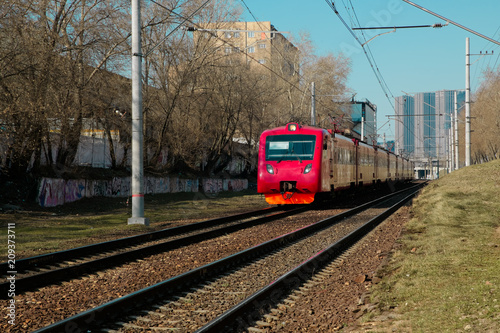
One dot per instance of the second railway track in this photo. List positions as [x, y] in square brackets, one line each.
[43, 270]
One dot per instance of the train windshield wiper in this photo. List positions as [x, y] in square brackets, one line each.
[292, 153]
[282, 157]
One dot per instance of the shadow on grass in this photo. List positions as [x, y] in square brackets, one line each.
[122, 205]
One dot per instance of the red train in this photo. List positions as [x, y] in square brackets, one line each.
[297, 162]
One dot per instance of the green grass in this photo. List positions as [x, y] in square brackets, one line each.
[41, 230]
[445, 276]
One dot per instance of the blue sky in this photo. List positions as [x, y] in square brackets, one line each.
[410, 60]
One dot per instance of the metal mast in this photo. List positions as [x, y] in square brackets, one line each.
[137, 135]
[467, 102]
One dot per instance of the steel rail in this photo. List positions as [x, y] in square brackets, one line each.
[93, 318]
[87, 250]
[65, 273]
[246, 313]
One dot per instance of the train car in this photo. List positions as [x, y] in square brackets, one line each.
[344, 163]
[393, 163]
[383, 165]
[293, 164]
[365, 164]
[297, 162]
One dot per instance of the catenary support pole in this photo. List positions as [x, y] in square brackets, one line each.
[137, 181]
[313, 105]
[467, 103]
[450, 149]
[455, 128]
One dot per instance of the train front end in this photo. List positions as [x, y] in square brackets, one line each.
[289, 167]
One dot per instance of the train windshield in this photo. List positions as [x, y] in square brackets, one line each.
[290, 147]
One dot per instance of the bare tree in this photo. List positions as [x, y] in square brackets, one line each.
[486, 121]
[185, 89]
[59, 47]
[64, 64]
[293, 88]
[329, 73]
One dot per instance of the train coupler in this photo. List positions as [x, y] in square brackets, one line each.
[288, 186]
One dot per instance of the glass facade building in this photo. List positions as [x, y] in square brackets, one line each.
[405, 125]
[423, 122]
[366, 111]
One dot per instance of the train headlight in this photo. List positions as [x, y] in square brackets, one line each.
[308, 168]
[292, 127]
[270, 169]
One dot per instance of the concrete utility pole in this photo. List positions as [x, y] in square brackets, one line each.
[313, 104]
[452, 135]
[137, 135]
[467, 102]
[450, 150]
[455, 127]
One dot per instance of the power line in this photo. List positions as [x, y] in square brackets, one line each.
[368, 54]
[199, 27]
[178, 26]
[296, 72]
[272, 45]
[498, 57]
[370, 57]
[188, 19]
[386, 89]
[452, 22]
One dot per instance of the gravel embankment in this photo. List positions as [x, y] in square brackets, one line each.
[323, 307]
[49, 304]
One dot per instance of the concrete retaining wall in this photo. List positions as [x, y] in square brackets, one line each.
[53, 192]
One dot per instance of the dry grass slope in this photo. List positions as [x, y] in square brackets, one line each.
[443, 276]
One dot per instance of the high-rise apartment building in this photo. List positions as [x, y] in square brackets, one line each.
[423, 123]
[254, 43]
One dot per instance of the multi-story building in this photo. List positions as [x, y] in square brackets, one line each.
[422, 126]
[364, 118]
[257, 43]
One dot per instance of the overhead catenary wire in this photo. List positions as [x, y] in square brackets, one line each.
[225, 42]
[452, 22]
[188, 19]
[366, 50]
[494, 67]
[178, 26]
[488, 66]
[385, 86]
[491, 40]
[296, 72]
[483, 62]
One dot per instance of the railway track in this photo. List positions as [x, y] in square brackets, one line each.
[52, 268]
[221, 294]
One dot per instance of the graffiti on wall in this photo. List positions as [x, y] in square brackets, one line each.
[54, 192]
[74, 190]
[212, 185]
[235, 185]
[51, 192]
